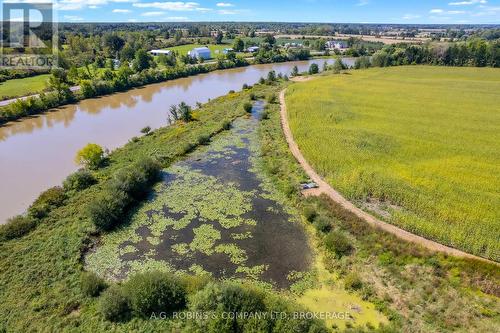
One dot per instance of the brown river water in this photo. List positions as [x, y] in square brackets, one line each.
[37, 153]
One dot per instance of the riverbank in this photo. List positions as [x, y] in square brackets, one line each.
[42, 270]
[51, 140]
[26, 106]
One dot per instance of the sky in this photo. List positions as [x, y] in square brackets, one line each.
[330, 11]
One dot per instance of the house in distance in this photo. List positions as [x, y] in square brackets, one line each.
[158, 52]
[200, 52]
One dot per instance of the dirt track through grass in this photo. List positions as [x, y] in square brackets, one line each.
[324, 187]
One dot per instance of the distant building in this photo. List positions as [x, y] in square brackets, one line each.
[226, 51]
[253, 49]
[339, 45]
[116, 63]
[200, 52]
[293, 45]
[158, 52]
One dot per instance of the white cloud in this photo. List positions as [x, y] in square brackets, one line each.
[411, 16]
[177, 18]
[81, 4]
[227, 12]
[467, 3]
[72, 18]
[153, 14]
[224, 4]
[363, 3]
[132, 20]
[173, 6]
[447, 12]
[122, 11]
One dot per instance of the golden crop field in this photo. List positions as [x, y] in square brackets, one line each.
[421, 144]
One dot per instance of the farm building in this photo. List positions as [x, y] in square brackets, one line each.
[339, 45]
[226, 51]
[253, 49]
[200, 52]
[158, 52]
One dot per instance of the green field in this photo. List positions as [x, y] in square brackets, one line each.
[418, 146]
[23, 87]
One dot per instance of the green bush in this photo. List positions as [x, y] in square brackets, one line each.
[52, 198]
[79, 181]
[310, 213]
[131, 181]
[248, 107]
[322, 224]
[204, 139]
[226, 125]
[353, 281]
[91, 284]
[313, 69]
[107, 208]
[338, 243]
[155, 292]
[271, 99]
[113, 304]
[16, 227]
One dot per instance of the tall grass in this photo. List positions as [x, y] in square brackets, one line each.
[426, 139]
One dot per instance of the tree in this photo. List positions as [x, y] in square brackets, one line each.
[270, 39]
[295, 71]
[238, 45]
[313, 69]
[325, 66]
[186, 112]
[90, 156]
[338, 65]
[58, 81]
[219, 37]
[142, 60]
[114, 42]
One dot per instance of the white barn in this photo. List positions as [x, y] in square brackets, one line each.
[200, 52]
[158, 52]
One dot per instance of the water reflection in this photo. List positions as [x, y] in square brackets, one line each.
[37, 152]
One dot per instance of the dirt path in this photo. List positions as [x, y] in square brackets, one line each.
[325, 188]
[12, 100]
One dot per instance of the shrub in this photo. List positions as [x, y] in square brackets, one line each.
[150, 167]
[204, 139]
[271, 99]
[226, 125]
[91, 156]
[113, 304]
[310, 213]
[313, 69]
[338, 243]
[131, 181]
[245, 86]
[106, 210]
[264, 115]
[146, 130]
[91, 284]
[16, 227]
[253, 97]
[46, 201]
[248, 107]
[79, 181]
[154, 292]
[353, 281]
[322, 224]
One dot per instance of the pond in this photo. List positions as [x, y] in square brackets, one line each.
[214, 213]
[37, 153]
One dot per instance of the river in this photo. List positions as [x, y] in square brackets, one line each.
[38, 153]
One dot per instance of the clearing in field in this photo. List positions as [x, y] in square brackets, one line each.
[22, 87]
[418, 146]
